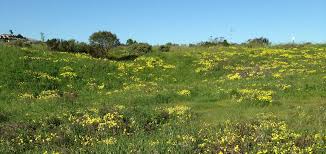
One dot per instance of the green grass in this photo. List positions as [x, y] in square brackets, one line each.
[233, 93]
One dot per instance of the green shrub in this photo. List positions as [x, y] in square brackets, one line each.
[131, 42]
[215, 42]
[97, 52]
[53, 44]
[225, 43]
[70, 46]
[164, 48]
[258, 42]
[83, 48]
[140, 48]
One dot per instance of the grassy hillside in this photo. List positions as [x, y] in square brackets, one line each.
[189, 100]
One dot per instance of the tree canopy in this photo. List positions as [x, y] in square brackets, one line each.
[104, 39]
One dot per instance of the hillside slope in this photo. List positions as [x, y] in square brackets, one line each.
[192, 99]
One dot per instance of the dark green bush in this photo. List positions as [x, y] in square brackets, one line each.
[20, 36]
[97, 52]
[225, 43]
[164, 48]
[83, 48]
[131, 42]
[258, 42]
[69, 46]
[53, 44]
[140, 48]
[215, 42]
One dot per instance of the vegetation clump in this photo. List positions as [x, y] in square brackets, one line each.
[164, 48]
[262, 41]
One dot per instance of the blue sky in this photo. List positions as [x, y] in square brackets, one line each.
[158, 22]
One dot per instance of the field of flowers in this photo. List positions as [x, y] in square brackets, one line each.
[189, 100]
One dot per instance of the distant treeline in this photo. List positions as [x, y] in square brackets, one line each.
[105, 44]
[101, 44]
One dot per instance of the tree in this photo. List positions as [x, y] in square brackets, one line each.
[131, 42]
[104, 40]
[20, 36]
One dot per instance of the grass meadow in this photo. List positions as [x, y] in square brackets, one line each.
[189, 100]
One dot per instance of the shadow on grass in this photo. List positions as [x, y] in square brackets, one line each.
[123, 58]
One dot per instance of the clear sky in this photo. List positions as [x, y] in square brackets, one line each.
[158, 22]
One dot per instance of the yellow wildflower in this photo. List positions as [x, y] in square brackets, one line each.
[184, 92]
[235, 76]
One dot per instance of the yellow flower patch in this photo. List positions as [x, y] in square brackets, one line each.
[256, 95]
[184, 92]
[235, 76]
